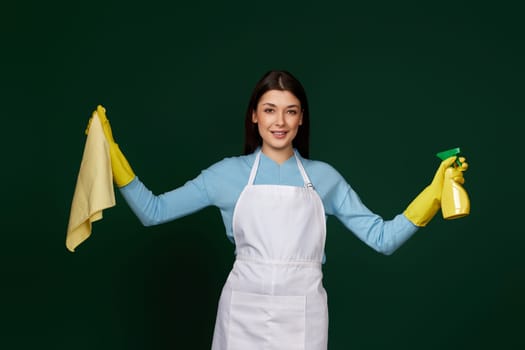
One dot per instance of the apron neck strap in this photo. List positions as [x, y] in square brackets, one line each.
[306, 179]
[255, 166]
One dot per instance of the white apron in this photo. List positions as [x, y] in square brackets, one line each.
[273, 298]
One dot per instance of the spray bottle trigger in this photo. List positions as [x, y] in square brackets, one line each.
[449, 153]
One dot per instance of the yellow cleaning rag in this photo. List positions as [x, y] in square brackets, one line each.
[94, 189]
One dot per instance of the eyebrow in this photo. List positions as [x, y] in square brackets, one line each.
[273, 105]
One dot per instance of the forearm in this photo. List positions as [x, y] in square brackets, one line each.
[154, 209]
[384, 236]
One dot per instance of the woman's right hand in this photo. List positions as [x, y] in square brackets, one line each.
[101, 112]
[122, 172]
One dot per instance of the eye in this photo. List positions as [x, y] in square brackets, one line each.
[292, 112]
[268, 110]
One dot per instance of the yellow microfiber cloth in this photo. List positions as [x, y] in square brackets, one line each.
[94, 189]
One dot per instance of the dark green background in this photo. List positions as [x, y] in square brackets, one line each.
[390, 84]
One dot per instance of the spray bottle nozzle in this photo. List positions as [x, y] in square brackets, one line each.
[449, 153]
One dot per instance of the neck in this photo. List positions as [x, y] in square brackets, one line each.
[278, 156]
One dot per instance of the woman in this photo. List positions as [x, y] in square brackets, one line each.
[274, 203]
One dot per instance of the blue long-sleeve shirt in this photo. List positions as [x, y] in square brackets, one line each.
[221, 184]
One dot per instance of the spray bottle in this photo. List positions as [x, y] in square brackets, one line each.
[455, 202]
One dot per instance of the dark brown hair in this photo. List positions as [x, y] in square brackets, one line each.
[283, 81]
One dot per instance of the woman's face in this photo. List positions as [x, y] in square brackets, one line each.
[278, 115]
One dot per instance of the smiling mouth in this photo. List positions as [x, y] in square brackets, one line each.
[279, 133]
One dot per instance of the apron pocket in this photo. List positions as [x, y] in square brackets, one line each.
[267, 322]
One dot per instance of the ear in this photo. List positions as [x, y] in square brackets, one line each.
[301, 119]
[254, 117]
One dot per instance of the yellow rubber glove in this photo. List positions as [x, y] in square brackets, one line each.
[425, 206]
[122, 172]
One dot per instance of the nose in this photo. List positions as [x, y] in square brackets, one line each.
[280, 119]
